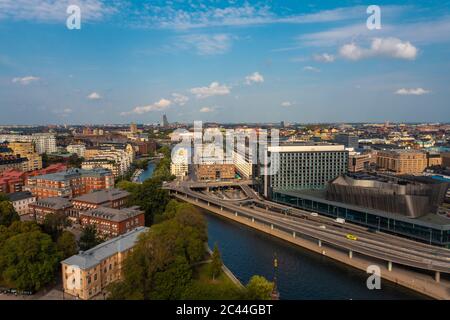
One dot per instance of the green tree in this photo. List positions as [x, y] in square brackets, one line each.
[67, 244]
[54, 224]
[75, 161]
[215, 267]
[7, 213]
[28, 261]
[89, 238]
[259, 288]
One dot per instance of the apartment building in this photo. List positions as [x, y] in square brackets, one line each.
[54, 205]
[115, 157]
[88, 273]
[78, 149]
[43, 142]
[21, 201]
[27, 150]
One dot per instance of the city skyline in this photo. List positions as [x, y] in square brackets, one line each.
[226, 61]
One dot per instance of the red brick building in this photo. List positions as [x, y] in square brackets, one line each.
[112, 198]
[111, 222]
[56, 205]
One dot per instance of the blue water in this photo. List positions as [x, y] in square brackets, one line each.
[147, 172]
[301, 275]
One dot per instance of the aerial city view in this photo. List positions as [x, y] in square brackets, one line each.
[224, 150]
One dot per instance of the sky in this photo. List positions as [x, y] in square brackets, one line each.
[225, 61]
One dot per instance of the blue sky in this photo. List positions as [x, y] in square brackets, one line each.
[226, 61]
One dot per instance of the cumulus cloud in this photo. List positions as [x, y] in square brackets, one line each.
[254, 78]
[94, 96]
[324, 57]
[179, 99]
[380, 47]
[157, 106]
[412, 91]
[25, 80]
[312, 69]
[214, 89]
[286, 104]
[206, 109]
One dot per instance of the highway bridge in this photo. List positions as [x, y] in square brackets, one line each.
[323, 231]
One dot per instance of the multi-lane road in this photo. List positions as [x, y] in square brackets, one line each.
[302, 224]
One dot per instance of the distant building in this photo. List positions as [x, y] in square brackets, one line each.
[70, 183]
[133, 128]
[165, 122]
[446, 160]
[358, 162]
[43, 142]
[78, 149]
[27, 150]
[216, 171]
[12, 180]
[21, 201]
[402, 161]
[179, 166]
[115, 157]
[348, 140]
[13, 162]
[110, 222]
[88, 273]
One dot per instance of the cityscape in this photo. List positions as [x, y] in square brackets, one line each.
[173, 151]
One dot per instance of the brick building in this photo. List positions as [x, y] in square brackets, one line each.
[112, 198]
[215, 171]
[55, 205]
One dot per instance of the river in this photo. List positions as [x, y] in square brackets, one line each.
[147, 173]
[301, 273]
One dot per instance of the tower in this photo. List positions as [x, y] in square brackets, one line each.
[165, 122]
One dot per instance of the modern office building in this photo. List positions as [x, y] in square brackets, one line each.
[348, 140]
[402, 161]
[88, 273]
[303, 166]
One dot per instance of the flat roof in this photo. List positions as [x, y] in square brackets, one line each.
[92, 257]
[307, 148]
[428, 220]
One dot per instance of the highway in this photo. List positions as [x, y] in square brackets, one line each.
[377, 245]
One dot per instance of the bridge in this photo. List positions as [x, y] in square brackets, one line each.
[328, 237]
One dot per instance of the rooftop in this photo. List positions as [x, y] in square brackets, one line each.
[16, 196]
[116, 215]
[56, 203]
[102, 196]
[92, 257]
[65, 175]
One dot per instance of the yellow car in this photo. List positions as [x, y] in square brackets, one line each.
[351, 237]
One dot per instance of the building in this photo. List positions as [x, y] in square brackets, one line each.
[133, 128]
[21, 201]
[78, 149]
[402, 161]
[303, 166]
[215, 171]
[54, 205]
[27, 150]
[110, 222]
[112, 198]
[358, 162]
[165, 122]
[70, 183]
[434, 159]
[44, 142]
[88, 273]
[348, 140]
[179, 166]
[13, 162]
[376, 206]
[12, 180]
[96, 163]
[115, 157]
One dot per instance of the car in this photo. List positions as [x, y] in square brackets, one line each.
[351, 237]
[322, 227]
[314, 214]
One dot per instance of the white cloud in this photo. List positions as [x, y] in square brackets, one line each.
[63, 113]
[324, 57]
[179, 99]
[412, 91]
[214, 89]
[53, 11]
[286, 104]
[380, 47]
[312, 69]
[205, 44]
[157, 106]
[255, 77]
[206, 109]
[94, 96]
[25, 80]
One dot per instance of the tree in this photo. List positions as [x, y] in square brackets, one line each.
[7, 213]
[215, 267]
[54, 224]
[259, 288]
[75, 161]
[67, 244]
[89, 238]
[28, 261]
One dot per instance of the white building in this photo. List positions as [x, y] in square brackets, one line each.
[78, 149]
[180, 162]
[21, 200]
[44, 142]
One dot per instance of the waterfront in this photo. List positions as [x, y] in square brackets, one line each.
[301, 274]
[147, 173]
